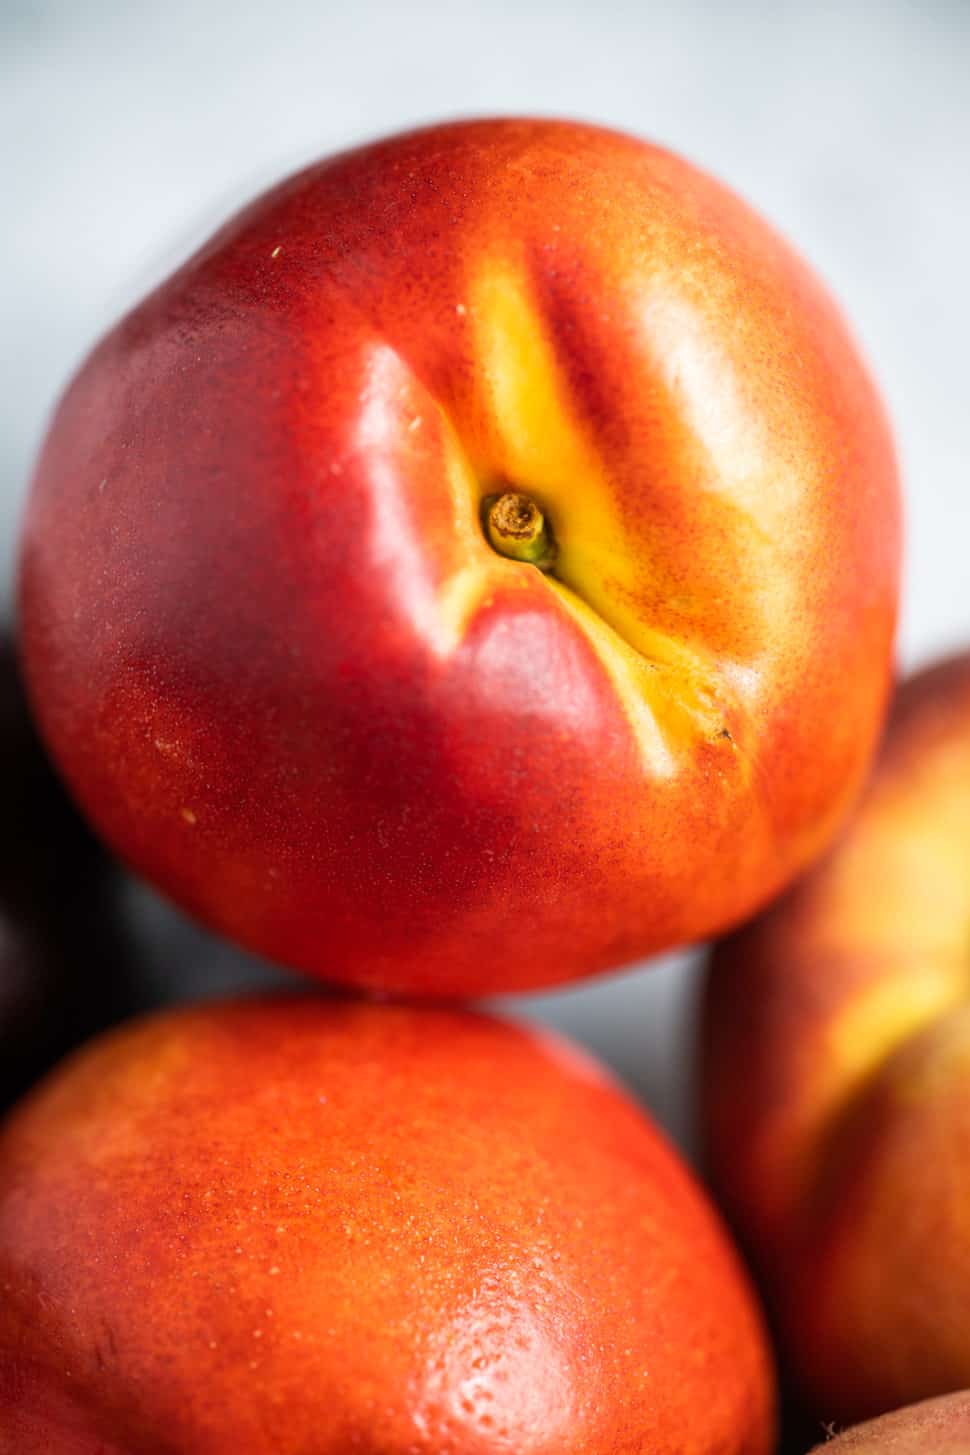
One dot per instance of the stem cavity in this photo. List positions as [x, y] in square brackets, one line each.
[516, 527]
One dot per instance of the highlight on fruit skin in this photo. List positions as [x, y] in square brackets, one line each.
[836, 1079]
[288, 674]
[306, 1224]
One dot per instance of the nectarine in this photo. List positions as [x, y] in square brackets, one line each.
[63, 963]
[475, 568]
[935, 1427]
[837, 1079]
[293, 1225]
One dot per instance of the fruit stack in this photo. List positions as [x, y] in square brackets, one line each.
[476, 569]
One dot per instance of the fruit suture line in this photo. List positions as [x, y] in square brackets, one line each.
[670, 687]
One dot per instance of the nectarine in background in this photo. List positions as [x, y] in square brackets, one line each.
[837, 1080]
[300, 1225]
[475, 568]
[65, 970]
[934, 1427]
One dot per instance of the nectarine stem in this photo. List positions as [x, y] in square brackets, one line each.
[517, 528]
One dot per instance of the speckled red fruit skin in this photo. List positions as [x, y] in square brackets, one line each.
[248, 635]
[294, 1225]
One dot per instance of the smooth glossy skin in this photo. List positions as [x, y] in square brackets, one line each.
[294, 1225]
[837, 1079]
[291, 682]
[935, 1427]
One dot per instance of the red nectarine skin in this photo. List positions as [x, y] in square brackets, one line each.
[293, 1225]
[935, 1427]
[292, 683]
[837, 1079]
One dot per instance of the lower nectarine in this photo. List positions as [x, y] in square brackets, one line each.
[292, 1225]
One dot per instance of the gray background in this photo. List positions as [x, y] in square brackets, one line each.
[130, 130]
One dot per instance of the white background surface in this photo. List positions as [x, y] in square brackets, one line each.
[130, 129]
